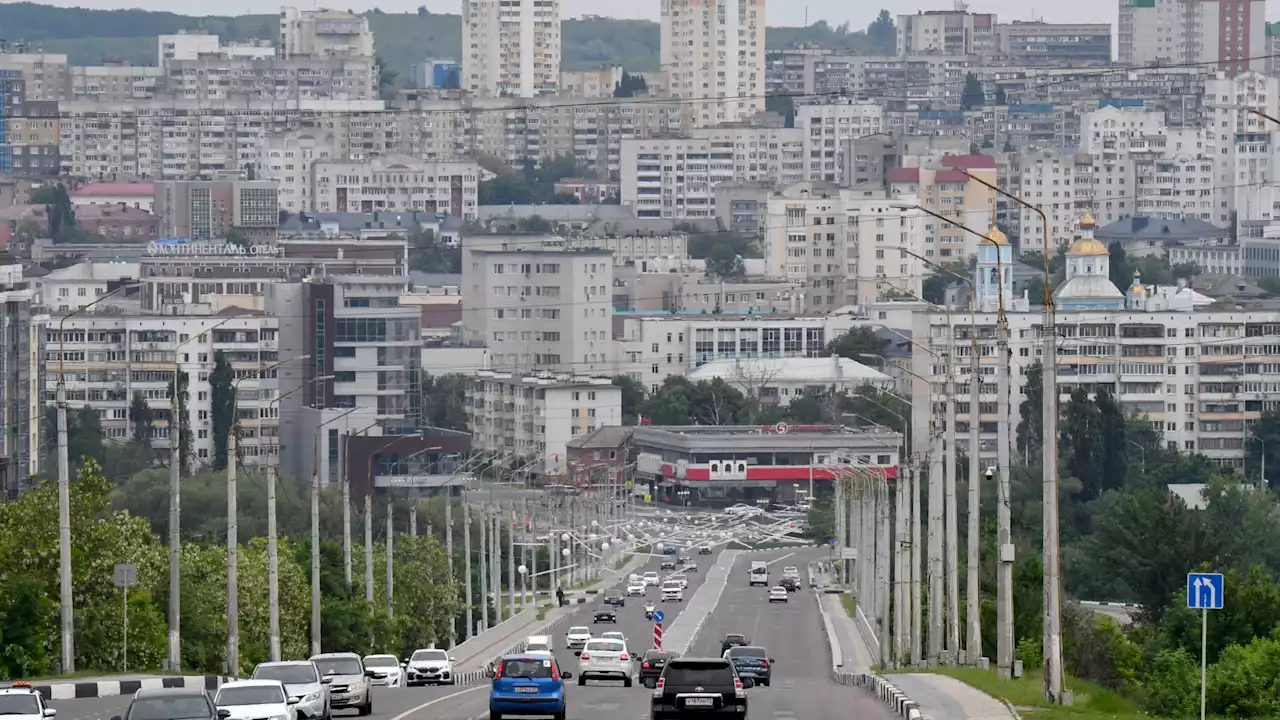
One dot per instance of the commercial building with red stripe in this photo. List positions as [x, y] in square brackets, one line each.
[746, 463]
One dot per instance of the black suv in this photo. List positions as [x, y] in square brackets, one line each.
[615, 600]
[705, 687]
[732, 640]
[790, 583]
[752, 662]
[651, 666]
[192, 703]
[606, 613]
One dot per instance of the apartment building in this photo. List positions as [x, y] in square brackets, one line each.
[537, 305]
[73, 287]
[511, 48]
[901, 83]
[941, 186]
[1202, 377]
[45, 75]
[193, 44]
[111, 356]
[114, 82]
[324, 33]
[30, 136]
[947, 32]
[359, 352]
[395, 183]
[1246, 142]
[595, 83]
[531, 418]
[22, 376]
[1066, 45]
[210, 208]
[675, 177]
[1228, 33]
[844, 246]
[827, 127]
[1060, 183]
[713, 57]
[216, 79]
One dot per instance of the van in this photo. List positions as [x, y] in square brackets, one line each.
[538, 645]
[672, 590]
[759, 573]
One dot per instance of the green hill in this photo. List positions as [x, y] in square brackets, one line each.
[90, 36]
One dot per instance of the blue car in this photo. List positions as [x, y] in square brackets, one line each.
[528, 685]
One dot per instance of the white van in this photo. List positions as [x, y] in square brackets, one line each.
[672, 590]
[538, 645]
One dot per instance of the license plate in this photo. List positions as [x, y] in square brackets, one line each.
[699, 702]
[526, 689]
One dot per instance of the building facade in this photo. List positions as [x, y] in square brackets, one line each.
[511, 48]
[713, 57]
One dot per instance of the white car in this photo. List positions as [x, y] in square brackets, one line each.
[636, 590]
[614, 635]
[602, 658]
[743, 510]
[651, 578]
[429, 666]
[777, 594]
[684, 581]
[248, 699]
[577, 637]
[388, 665]
[538, 645]
[23, 702]
[672, 591]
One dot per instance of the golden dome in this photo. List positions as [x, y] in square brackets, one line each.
[996, 237]
[1087, 246]
[1137, 286]
[1087, 222]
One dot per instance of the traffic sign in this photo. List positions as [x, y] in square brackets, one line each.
[831, 543]
[1204, 591]
[659, 616]
[781, 428]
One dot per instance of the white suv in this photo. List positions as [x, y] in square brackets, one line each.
[672, 590]
[577, 637]
[651, 578]
[605, 659]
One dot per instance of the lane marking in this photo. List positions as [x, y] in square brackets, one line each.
[429, 703]
[775, 560]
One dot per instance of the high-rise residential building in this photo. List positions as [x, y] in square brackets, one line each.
[210, 208]
[826, 127]
[1230, 33]
[331, 33]
[536, 305]
[1245, 157]
[511, 48]
[1042, 44]
[947, 32]
[713, 54]
[941, 186]
[22, 363]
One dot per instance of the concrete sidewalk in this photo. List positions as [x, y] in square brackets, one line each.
[938, 697]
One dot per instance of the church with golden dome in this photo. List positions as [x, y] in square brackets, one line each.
[1088, 284]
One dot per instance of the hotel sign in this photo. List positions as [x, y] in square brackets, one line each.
[208, 249]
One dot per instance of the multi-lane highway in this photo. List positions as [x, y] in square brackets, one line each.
[793, 633]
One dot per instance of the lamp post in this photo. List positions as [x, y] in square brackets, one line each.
[64, 493]
[1052, 625]
[315, 528]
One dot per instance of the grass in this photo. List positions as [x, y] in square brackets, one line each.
[1089, 702]
[850, 605]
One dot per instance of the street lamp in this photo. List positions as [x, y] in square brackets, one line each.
[64, 492]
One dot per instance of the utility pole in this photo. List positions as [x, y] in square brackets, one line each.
[273, 559]
[495, 566]
[901, 568]
[883, 539]
[448, 550]
[233, 560]
[64, 526]
[952, 652]
[973, 583]
[346, 513]
[484, 571]
[466, 565]
[175, 521]
[936, 624]
[1049, 460]
[837, 512]
[368, 542]
[1004, 529]
[511, 570]
[917, 607]
[391, 537]
[413, 517]
[315, 560]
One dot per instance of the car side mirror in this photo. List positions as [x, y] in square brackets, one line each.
[748, 683]
[50, 712]
[489, 673]
[566, 675]
[452, 659]
[326, 680]
[115, 717]
[223, 714]
[370, 673]
[772, 661]
[294, 700]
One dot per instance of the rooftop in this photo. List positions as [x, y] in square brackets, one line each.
[816, 371]
[607, 437]
[1157, 229]
[116, 189]
[96, 271]
[545, 379]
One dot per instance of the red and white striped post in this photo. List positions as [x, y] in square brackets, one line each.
[657, 636]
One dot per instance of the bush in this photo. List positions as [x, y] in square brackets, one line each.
[1096, 649]
[1172, 686]
[1245, 682]
[1031, 652]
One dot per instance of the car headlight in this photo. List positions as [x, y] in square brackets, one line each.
[311, 697]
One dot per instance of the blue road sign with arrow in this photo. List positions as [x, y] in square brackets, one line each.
[831, 543]
[658, 616]
[1204, 591]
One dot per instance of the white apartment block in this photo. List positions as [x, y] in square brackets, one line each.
[511, 48]
[110, 357]
[1113, 128]
[1230, 33]
[324, 33]
[591, 84]
[217, 79]
[538, 306]
[941, 187]
[1060, 183]
[73, 287]
[394, 183]
[114, 83]
[827, 126]
[844, 246]
[713, 58]
[1247, 142]
[191, 45]
[675, 177]
[946, 32]
[533, 417]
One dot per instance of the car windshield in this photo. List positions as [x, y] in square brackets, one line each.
[706, 673]
[537, 647]
[288, 674]
[430, 656]
[748, 652]
[339, 666]
[655, 655]
[606, 646]
[380, 661]
[187, 707]
[19, 704]
[736, 639]
[528, 667]
[579, 631]
[258, 695]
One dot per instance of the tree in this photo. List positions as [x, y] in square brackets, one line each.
[935, 286]
[972, 96]
[386, 79]
[783, 104]
[1031, 415]
[428, 254]
[632, 398]
[725, 264]
[1263, 448]
[444, 401]
[858, 343]
[1082, 445]
[630, 86]
[141, 418]
[182, 422]
[1001, 98]
[701, 246]
[882, 35]
[680, 402]
[84, 434]
[61, 215]
[1121, 274]
[222, 394]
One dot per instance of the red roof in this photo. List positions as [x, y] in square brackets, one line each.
[116, 189]
[904, 175]
[950, 176]
[969, 162]
[100, 212]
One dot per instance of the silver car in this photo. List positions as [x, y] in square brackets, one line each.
[349, 682]
[302, 681]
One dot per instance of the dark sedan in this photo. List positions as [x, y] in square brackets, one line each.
[732, 640]
[615, 600]
[752, 662]
[791, 584]
[606, 613]
[652, 663]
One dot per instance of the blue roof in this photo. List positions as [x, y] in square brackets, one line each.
[1122, 102]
